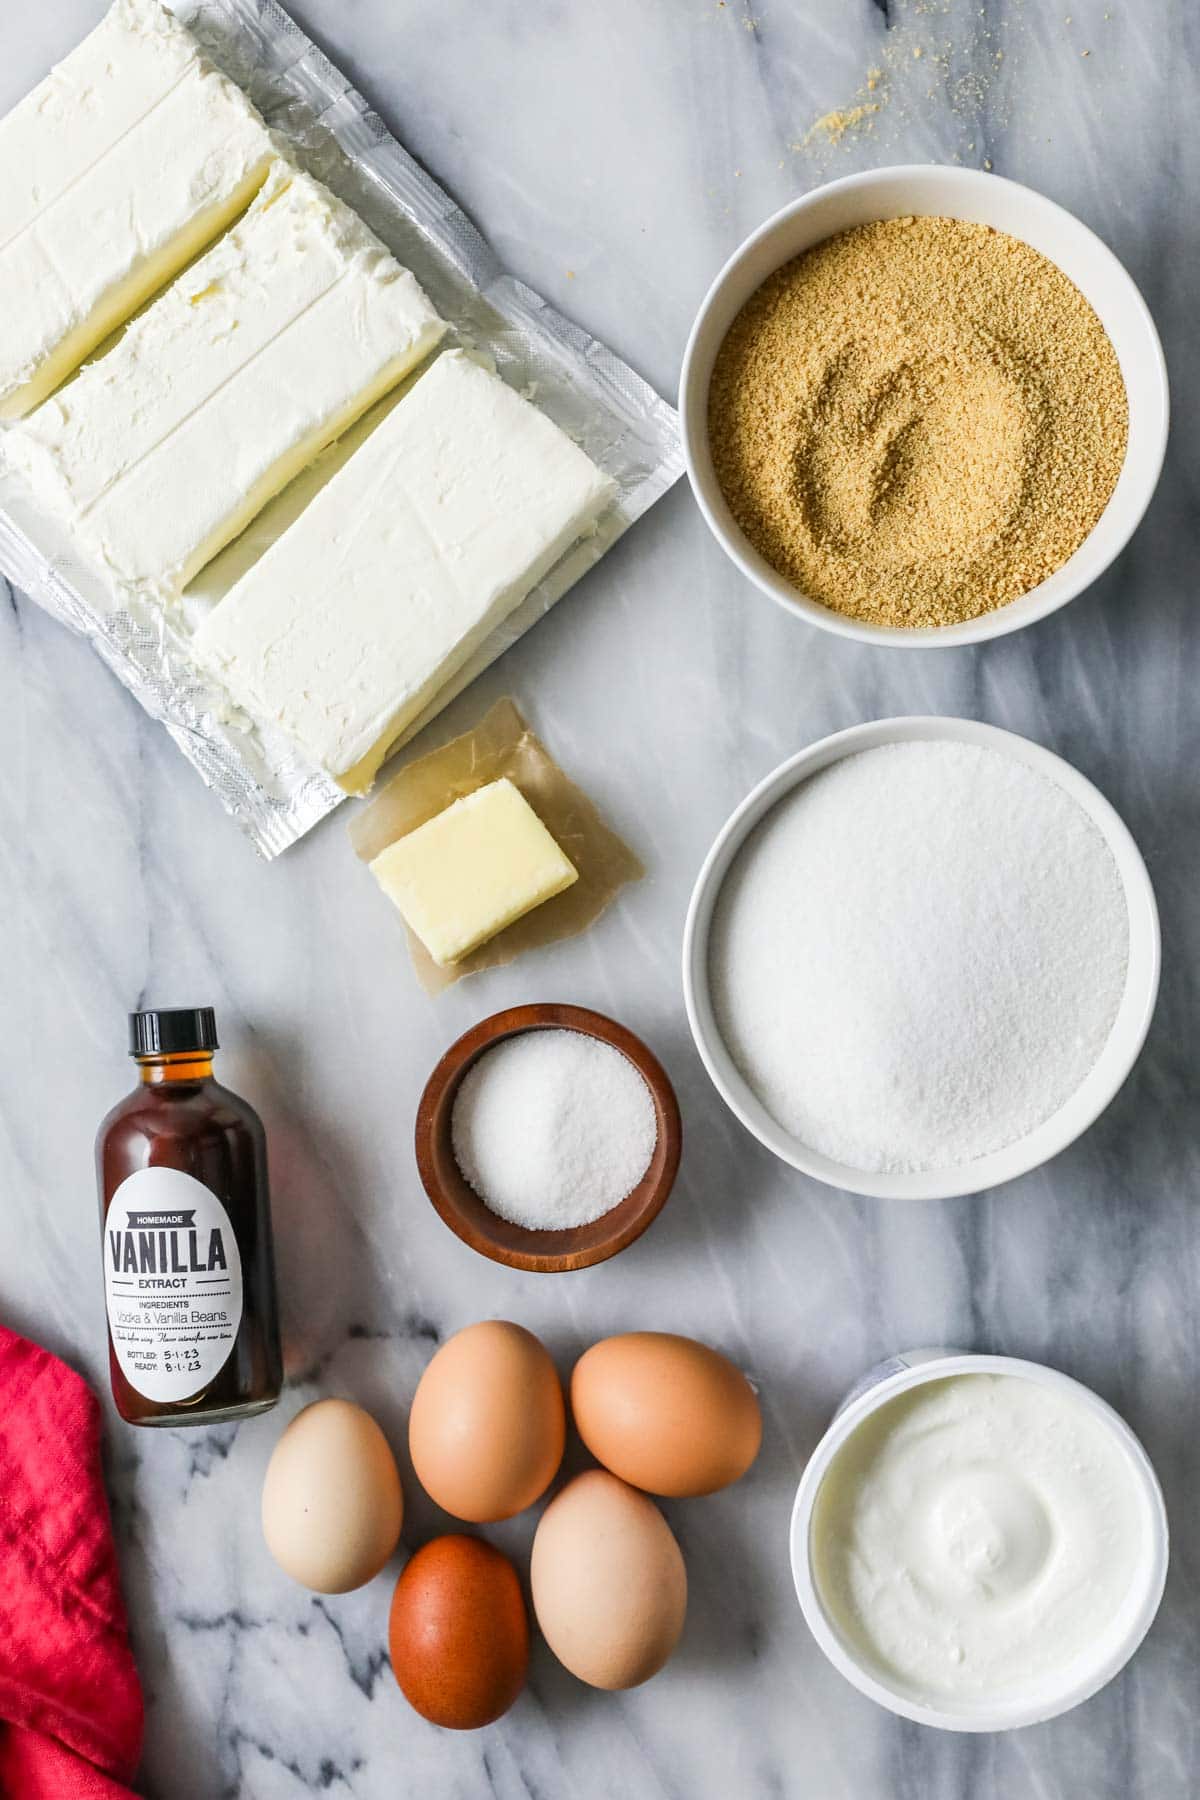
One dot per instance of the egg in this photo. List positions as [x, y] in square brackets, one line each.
[488, 1422]
[666, 1413]
[332, 1504]
[458, 1633]
[609, 1585]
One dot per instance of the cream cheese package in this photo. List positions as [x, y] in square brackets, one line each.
[274, 790]
[225, 388]
[130, 157]
[434, 530]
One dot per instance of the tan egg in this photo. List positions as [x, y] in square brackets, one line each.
[332, 1504]
[609, 1585]
[488, 1422]
[666, 1413]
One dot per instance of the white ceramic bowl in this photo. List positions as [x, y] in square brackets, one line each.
[931, 189]
[1088, 1101]
[1111, 1651]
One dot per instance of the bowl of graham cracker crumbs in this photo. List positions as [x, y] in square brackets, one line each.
[923, 406]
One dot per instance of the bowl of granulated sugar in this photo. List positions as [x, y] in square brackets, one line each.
[923, 406]
[548, 1137]
[921, 958]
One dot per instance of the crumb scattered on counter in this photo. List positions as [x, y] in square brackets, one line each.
[932, 57]
[834, 125]
[955, 63]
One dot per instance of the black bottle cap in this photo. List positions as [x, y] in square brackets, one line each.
[170, 1030]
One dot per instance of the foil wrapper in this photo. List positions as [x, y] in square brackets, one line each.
[327, 128]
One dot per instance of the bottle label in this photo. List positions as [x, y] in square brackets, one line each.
[172, 1283]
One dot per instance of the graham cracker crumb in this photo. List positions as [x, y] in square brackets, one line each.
[834, 125]
[917, 421]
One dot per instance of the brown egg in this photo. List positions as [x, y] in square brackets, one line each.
[609, 1585]
[488, 1423]
[332, 1505]
[666, 1413]
[458, 1633]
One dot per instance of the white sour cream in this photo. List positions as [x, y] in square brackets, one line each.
[977, 1536]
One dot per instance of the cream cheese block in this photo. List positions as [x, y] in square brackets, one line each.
[472, 870]
[259, 355]
[437, 527]
[130, 157]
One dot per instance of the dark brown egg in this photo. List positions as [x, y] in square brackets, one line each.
[458, 1633]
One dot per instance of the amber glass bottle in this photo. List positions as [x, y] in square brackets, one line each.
[189, 1275]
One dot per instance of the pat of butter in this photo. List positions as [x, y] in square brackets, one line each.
[438, 526]
[262, 353]
[468, 872]
[131, 156]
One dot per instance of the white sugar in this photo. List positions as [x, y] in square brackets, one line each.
[553, 1128]
[918, 956]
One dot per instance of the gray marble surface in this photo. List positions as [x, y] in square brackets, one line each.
[615, 154]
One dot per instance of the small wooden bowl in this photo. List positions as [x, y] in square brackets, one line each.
[461, 1207]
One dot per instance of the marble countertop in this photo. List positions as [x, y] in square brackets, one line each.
[615, 154]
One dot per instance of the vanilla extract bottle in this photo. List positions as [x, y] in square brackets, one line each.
[189, 1273]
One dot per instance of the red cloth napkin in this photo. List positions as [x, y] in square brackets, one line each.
[70, 1699]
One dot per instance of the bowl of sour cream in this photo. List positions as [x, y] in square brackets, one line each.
[978, 1542]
